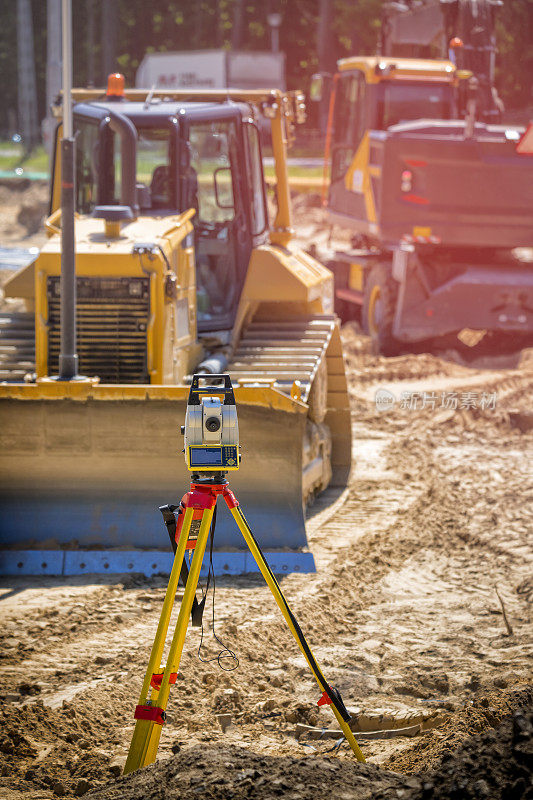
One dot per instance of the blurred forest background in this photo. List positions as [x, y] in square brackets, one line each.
[313, 33]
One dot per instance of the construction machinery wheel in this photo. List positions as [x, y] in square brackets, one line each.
[378, 310]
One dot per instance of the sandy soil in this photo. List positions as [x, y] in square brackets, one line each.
[402, 613]
[23, 207]
[419, 612]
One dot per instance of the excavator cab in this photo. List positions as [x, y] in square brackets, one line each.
[373, 94]
[462, 30]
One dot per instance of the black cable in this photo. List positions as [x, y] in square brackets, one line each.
[165, 259]
[332, 693]
[225, 652]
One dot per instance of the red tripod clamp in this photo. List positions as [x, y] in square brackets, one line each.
[157, 679]
[200, 498]
[151, 713]
[325, 700]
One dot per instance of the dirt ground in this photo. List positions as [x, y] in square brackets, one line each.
[419, 612]
[23, 206]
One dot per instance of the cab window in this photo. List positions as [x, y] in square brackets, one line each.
[87, 149]
[401, 102]
[117, 169]
[256, 181]
[348, 121]
[98, 175]
[154, 177]
[210, 179]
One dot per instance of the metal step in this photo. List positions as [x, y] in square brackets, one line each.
[251, 362]
[12, 375]
[246, 350]
[17, 345]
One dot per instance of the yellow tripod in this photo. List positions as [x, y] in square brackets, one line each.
[198, 507]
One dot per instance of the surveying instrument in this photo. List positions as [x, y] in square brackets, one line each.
[211, 451]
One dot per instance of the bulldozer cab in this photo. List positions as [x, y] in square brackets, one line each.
[178, 156]
[223, 180]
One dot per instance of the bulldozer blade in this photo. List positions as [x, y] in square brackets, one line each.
[86, 467]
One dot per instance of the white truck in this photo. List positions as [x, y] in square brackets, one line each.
[212, 69]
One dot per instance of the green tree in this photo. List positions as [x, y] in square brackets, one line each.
[514, 63]
[168, 25]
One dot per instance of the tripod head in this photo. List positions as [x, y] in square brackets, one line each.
[211, 429]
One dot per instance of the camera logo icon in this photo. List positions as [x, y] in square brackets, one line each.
[384, 400]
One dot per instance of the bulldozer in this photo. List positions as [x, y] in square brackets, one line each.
[178, 271]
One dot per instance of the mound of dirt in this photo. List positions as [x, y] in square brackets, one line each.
[228, 773]
[52, 749]
[33, 210]
[484, 713]
[365, 367]
[303, 201]
[493, 764]
[496, 764]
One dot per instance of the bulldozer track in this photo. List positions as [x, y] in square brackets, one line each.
[279, 352]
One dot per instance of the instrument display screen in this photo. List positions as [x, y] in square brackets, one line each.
[205, 457]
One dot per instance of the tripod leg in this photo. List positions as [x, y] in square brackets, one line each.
[146, 753]
[143, 727]
[180, 632]
[329, 695]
